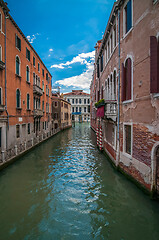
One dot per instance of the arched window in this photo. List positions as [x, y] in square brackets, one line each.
[18, 98]
[27, 74]
[114, 85]
[28, 101]
[17, 65]
[127, 80]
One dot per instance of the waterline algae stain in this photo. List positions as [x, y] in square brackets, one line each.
[66, 189]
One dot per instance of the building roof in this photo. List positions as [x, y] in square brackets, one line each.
[76, 93]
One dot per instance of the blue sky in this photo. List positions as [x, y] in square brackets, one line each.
[64, 34]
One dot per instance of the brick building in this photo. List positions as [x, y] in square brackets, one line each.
[25, 90]
[126, 77]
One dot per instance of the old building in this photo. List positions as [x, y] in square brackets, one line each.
[66, 117]
[126, 77]
[25, 90]
[80, 102]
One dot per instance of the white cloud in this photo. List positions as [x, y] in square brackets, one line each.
[51, 50]
[83, 80]
[32, 37]
[80, 58]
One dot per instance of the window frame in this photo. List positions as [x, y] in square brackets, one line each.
[18, 106]
[0, 21]
[18, 125]
[28, 106]
[124, 139]
[17, 40]
[129, 100]
[0, 53]
[27, 74]
[19, 68]
[28, 129]
[27, 54]
[125, 32]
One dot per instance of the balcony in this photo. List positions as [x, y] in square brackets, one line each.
[2, 108]
[37, 90]
[2, 65]
[111, 109]
[38, 113]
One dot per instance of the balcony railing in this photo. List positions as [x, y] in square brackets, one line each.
[2, 65]
[38, 113]
[111, 109]
[37, 90]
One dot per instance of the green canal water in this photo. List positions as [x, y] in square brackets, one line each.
[67, 189]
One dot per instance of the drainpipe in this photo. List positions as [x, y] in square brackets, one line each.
[118, 115]
[6, 83]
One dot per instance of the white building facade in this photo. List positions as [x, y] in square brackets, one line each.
[80, 105]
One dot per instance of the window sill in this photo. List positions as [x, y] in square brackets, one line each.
[127, 101]
[156, 95]
[126, 34]
[18, 76]
[28, 82]
[28, 110]
[18, 108]
[127, 155]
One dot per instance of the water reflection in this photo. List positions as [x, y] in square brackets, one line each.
[66, 189]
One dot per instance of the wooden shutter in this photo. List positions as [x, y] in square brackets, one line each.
[123, 87]
[128, 79]
[154, 85]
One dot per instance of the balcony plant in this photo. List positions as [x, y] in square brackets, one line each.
[100, 103]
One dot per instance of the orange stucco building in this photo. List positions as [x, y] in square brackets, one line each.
[25, 90]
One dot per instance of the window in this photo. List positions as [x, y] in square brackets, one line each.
[0, 22]
[154, 65]
[27, 54]
[80, 101]
[18, 42]
[68, 100]
[18, 98]
[101, 63]
[27, 74]
[128, 139]
[47, 76]
[43, 106]
[43, 72]
[43, 86]
[108, 51]
[33, 61]
[0, 96]
[46, 89]
[84, 109]
[127, 80]
[0, 53]
[84, 101]
[38, 67]
[28, 101]
[111, 44]
[73, 100]
[114, 35]
[89, 109]
[76, 101]
[128, 16]
[17, 131]
[72, 109]
[88, 101]
[79, 109]
[17, 65]
[34, 80]
[98, 69]
[28, 128]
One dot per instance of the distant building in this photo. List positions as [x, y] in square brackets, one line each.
[80, 103]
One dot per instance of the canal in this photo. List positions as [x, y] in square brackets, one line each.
[66, 189]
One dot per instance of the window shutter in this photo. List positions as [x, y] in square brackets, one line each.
[123, 89]
[128, 79]
[154, 84]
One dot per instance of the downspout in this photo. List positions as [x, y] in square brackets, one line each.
[6, 84]
[118, 115]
